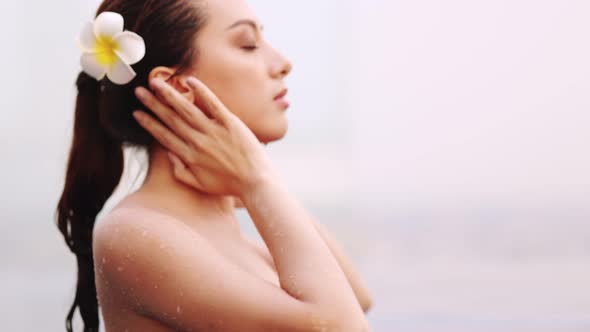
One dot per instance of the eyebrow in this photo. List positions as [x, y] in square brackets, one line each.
[248, 22]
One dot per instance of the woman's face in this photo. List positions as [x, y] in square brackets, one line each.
[242, 68]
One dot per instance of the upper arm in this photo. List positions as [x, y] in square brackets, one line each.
[175, 276]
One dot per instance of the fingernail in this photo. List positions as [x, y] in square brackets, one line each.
[155, 83]
[138, 116]
[140, 92]
[192, 80]
[173, 159]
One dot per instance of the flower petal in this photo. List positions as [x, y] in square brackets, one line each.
[121, 73]
[91, 66]
[87, 39]
[108, 24]
[131, 47]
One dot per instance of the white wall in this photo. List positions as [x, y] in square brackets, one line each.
[445, 143]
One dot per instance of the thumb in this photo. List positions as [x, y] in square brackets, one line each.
[182, 173]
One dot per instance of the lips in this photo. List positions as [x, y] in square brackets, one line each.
[281, 94]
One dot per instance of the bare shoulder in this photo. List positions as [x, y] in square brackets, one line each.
[175, 276]
[122, 238]
[136, 218]
[126, 229]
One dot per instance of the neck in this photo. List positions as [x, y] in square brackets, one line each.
[183, 201]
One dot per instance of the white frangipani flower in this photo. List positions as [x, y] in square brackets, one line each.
[108, 50]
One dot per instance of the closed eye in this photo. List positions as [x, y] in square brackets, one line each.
[250, 48]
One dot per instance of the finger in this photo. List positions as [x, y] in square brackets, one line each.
[209, 101]
[182, 173]
[179, 104]
[198, 160]
[169, 117]
[163, 135]
[238, 203]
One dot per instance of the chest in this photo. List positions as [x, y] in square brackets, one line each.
[252, 258]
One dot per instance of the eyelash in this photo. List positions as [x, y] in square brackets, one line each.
[250, 48]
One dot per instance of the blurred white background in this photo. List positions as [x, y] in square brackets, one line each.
[445, 144]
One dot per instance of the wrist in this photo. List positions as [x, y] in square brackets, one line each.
[256, 187]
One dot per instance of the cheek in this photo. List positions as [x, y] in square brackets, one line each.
[267, 123]
[233, 77]
[240, 81]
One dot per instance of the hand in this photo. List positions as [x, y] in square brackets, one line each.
[183, 174]
[222, 154]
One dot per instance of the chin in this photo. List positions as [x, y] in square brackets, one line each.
[272, 134]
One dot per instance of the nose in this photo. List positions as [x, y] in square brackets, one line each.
[283, 66]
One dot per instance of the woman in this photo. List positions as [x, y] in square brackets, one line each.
[170, 256]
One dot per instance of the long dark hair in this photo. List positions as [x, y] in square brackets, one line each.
[104, 125]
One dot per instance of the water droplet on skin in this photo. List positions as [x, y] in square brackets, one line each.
[120, 268]
[155, 286]
[178, 308]
[104, 260]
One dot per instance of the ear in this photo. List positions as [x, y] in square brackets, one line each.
[178, 82]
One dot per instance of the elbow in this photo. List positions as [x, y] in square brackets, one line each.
[358, 325]
[366, 303]
[341, 322]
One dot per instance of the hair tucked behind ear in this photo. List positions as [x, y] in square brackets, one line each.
[104, 125]
[94, 169]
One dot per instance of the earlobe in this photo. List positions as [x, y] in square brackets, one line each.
[166, 74]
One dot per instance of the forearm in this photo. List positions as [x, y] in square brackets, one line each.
[362, 293]
[306, 267]
[360, 289]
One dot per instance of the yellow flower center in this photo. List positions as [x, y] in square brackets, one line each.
[105, 51]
